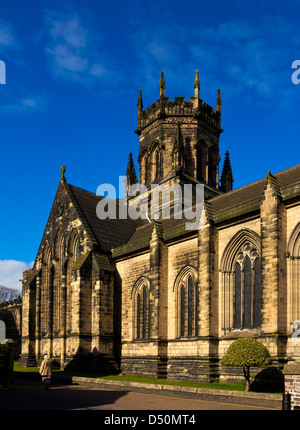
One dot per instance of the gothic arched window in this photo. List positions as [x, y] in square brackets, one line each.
[77, 250]
[257, 293]
[141, 315]
[190, 305]
[60, 256]
[147, 169]
[73, 251]
[247, 286]
[199, 163]
[182, 311]
[242, 283]
[293, 274]
[158, 164]
[185, 288]
[237, 301]
[46, 290]
[138, 316]
[212, 168]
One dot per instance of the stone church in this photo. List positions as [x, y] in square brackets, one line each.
[150, 296]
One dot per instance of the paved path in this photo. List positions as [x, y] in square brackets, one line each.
[28, 394]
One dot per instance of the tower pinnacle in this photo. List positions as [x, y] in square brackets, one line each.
[226, 177]
[162, 85]
[140, 101]
[197, 90]
[130, 172]
[197, 84]
[219, 101]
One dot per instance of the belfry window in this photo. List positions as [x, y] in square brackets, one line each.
[158, 164]
[199, 163]
[147, 166]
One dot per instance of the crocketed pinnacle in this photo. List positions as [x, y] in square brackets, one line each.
[226, 177]
[130, 172]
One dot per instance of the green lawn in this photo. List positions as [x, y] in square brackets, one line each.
[142, 379]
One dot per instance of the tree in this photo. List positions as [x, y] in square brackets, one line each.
[246, 353]
[7, 294]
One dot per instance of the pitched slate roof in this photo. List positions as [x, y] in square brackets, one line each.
[115, 233]
[254, 190]
[108, 233]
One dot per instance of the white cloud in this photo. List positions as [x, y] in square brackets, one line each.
[245, 56]
[238, 56]
[68, 30]
[11, 271]
[30, 103]
[156, 47]
[7, 38]
[65, 60]
[72, 51]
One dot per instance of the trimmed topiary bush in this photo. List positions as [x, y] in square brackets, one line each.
[246, 353]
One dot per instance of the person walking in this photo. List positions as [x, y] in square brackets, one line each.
[46, 371]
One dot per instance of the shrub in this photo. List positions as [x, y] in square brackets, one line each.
[246, 353]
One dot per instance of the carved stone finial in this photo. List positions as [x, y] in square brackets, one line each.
[62, 171]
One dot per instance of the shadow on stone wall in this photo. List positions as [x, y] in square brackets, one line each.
[92, 363]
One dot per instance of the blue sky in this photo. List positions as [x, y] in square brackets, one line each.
[73, 71]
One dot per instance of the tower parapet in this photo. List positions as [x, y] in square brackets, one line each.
[199, 126]
[164, 108]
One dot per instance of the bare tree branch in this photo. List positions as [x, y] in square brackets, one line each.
[7, 294]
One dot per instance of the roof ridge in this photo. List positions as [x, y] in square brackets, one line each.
[237, 189]
[289, 168]
[254, 182]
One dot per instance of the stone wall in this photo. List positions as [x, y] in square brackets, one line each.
[291, 373]
[11, 314]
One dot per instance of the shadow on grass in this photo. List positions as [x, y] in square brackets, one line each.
[266, 381]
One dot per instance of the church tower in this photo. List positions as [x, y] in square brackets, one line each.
[180, 139]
